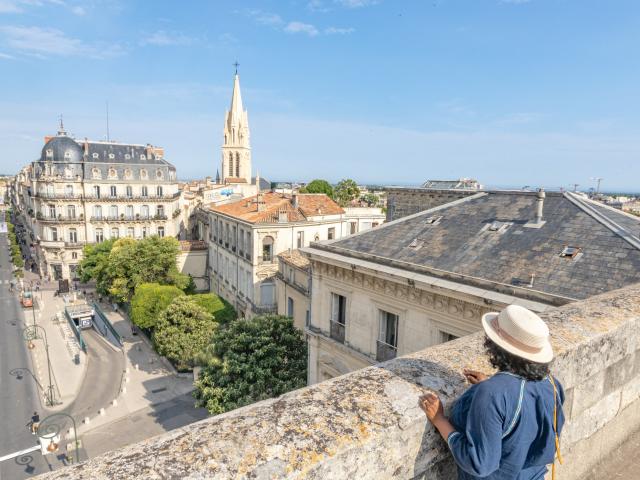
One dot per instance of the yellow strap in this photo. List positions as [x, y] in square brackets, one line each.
[555, 428]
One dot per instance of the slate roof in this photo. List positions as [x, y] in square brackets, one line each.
[309, 205]
[461, 245]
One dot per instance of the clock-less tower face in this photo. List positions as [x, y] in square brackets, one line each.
[236, 148]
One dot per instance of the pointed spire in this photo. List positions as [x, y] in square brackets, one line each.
[236, 110]
[217, 176]
[61, 127]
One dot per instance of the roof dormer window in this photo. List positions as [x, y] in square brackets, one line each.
[49, 153]
[95, 155]
[112, 156]
[67, 154]
[143, 157]
[127, 156]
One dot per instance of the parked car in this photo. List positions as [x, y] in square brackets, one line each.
[26, 299]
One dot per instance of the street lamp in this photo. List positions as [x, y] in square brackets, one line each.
[50, 428]
[30, 334]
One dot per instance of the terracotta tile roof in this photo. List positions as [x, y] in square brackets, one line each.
[309, 205]
[296, 259]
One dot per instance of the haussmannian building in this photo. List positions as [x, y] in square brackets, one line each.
[83, 191]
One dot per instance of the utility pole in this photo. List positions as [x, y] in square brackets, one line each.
[575, 187]
[598, 180]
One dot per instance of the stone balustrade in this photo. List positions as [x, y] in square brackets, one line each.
[367, 424]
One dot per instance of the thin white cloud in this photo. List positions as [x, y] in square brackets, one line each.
[356, 3]
[162, 38]
[78, 10]
[515, 2]
[264, 18]
[6, 57]
[338, 31]
[19, 6]
[299, 27]
[8, 6]
[42, 42]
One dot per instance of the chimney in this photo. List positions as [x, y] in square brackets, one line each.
[262, 206]
[294, 200]
[539, 205]
[86, 146]
[282, 216]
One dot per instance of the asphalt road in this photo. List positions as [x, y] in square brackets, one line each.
[19, 396]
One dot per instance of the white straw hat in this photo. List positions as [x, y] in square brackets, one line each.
[519, 331]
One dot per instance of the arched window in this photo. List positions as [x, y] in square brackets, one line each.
[238, 165]
[231, 164]
[267, 249]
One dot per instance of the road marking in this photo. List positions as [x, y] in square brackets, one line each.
[21, 452]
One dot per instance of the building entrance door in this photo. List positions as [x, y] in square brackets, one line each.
[57, 271]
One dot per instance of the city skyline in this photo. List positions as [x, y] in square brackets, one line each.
[509, 92]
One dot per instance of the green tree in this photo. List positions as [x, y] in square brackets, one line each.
[94, 265]
[190, 288]
[149, 301]
[346, 191]
[182, 331]
[251, 360]
[222, 311]
[318, 186]
[371, 199]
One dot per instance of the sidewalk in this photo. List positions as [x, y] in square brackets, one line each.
[66, 375]
[147, 381]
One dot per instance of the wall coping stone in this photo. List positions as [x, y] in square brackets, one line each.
[367, 424]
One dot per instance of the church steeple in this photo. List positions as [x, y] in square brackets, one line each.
[236, 149]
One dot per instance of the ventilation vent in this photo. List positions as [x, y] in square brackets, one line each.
[434, 220]
[498, 227]
[571, 252]
[415, 244]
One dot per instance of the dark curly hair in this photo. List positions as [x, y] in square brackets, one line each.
[507, 362]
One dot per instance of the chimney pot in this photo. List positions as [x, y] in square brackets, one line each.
[539, 205]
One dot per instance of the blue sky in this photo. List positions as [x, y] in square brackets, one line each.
[512, 92]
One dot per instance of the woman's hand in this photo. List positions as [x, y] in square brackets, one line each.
[431, 406]
[473, 376]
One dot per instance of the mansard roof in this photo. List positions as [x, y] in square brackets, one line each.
[583, 248]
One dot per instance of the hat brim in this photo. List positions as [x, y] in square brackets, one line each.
[544, 355]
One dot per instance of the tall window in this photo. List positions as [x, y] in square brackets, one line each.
[129, 211]
[97, 211]
[159, 190]
[161, 231]
[68, 190]
[144, 211]
[96, 191]
[289, 307]
[71, 211]
[52, 211]
[338, 317]
[113, 211]
[233, 238]
[160, 211]
[130, 232]
[129, 191]
[387, 336]
[145, 232]
[353, 227]
[73, 235]
[237, 165]
[113, 190]
[267, 249]
[231, 164]
[99, 235]
[300, 239]
[267, 291]
[53, 234]
[115, 233]
[331, 234]
[145, 191]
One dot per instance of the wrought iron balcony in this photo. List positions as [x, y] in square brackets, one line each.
[127, 218]
[59, 219]
[58, 196]
[385, 352]
[124, 198]
[337, 331]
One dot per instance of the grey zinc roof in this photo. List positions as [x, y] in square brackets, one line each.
[461, 243]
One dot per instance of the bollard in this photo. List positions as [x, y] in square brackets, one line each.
[102, 412]
[86, 420]
[127, 370]
[124, 390]
[115, 402]
[71, 432]
[127, 380]
[137, 366]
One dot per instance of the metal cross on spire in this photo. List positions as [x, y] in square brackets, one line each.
[236, 64]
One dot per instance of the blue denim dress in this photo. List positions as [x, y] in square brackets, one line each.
[504, 428]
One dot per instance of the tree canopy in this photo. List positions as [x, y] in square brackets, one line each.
[346, 191]
[119, 266]
[182, 331]
[251, 360]
[221, 310]
[149, 301]
[318, 186]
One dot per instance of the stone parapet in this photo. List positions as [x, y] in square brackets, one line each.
[367, 424]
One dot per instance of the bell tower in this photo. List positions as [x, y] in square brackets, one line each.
[236, 149]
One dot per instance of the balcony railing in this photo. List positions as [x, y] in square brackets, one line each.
[385, 352]
[59, 218]
[127, 218]
[58, 196]
[122, 198]
[337, 331]
[263, 309]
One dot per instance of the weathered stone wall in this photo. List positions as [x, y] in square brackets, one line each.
[367, 424]
[407, 201]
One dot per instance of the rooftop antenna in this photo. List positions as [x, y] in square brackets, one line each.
[107, 102]
[236, 64]
[598, 180]
[575, 187]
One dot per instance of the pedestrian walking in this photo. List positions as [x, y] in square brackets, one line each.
[34, 423]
